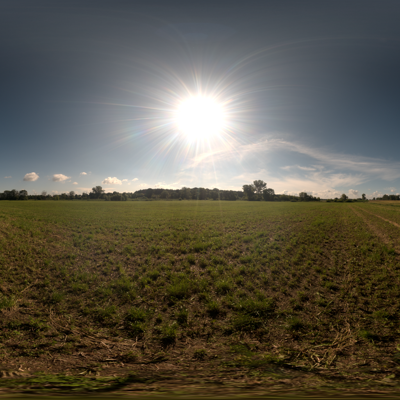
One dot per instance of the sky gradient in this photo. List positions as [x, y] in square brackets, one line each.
[311, 90]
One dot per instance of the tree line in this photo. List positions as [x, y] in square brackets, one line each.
[388, 197]
[256, 191]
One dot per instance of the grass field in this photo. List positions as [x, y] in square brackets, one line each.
[190, 295]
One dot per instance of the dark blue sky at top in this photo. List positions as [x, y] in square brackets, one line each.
[315, 84]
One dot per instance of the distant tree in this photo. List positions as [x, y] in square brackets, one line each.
[259, 186]
[13, 194]
[149, 193]
[202, 194]
[303, 196]
[214, 194]
[164, 194]
[249, 191]
[268, 194]
[97, 191]
[72, 194]
[185, 193]
[363, 196]
[385, 197]
[343, 197]
[23, 195]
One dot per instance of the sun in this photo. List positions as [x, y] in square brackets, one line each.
[200, 118]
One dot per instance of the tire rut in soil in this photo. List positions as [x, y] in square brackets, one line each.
[385, 219]
[373, 228]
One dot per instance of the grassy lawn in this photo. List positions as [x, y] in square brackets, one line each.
[187, 294]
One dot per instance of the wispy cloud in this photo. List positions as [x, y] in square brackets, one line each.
[290, 167]
[31, 177]
[367, 168]
[60, 177]
[7, 177]
[75, 183]
[83, 173]
[135, 179]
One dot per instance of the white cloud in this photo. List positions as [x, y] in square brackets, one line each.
[353, 193]
[164, 185]
[7, 177]
[84, 189]
[83, 173]
[135, 179]
[60, 178]
[112, 181]
[124, 180]
[75, 183]
[54, 192]
[377, 194]
[31, 177]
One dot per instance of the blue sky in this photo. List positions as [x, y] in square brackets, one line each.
[310, 91]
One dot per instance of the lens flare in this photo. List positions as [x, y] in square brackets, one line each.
[200, 118]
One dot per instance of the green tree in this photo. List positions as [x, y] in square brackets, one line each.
[97, 191]
[164, 194]
[259, 186]
[268, 194]
[343, 197]
[23, 195]
[363, 196]
[249, 191]
[215, 194]
[304, 196]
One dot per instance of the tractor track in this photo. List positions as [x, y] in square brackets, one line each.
[373, 228]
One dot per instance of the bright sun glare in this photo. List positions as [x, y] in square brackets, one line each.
[200, 118]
